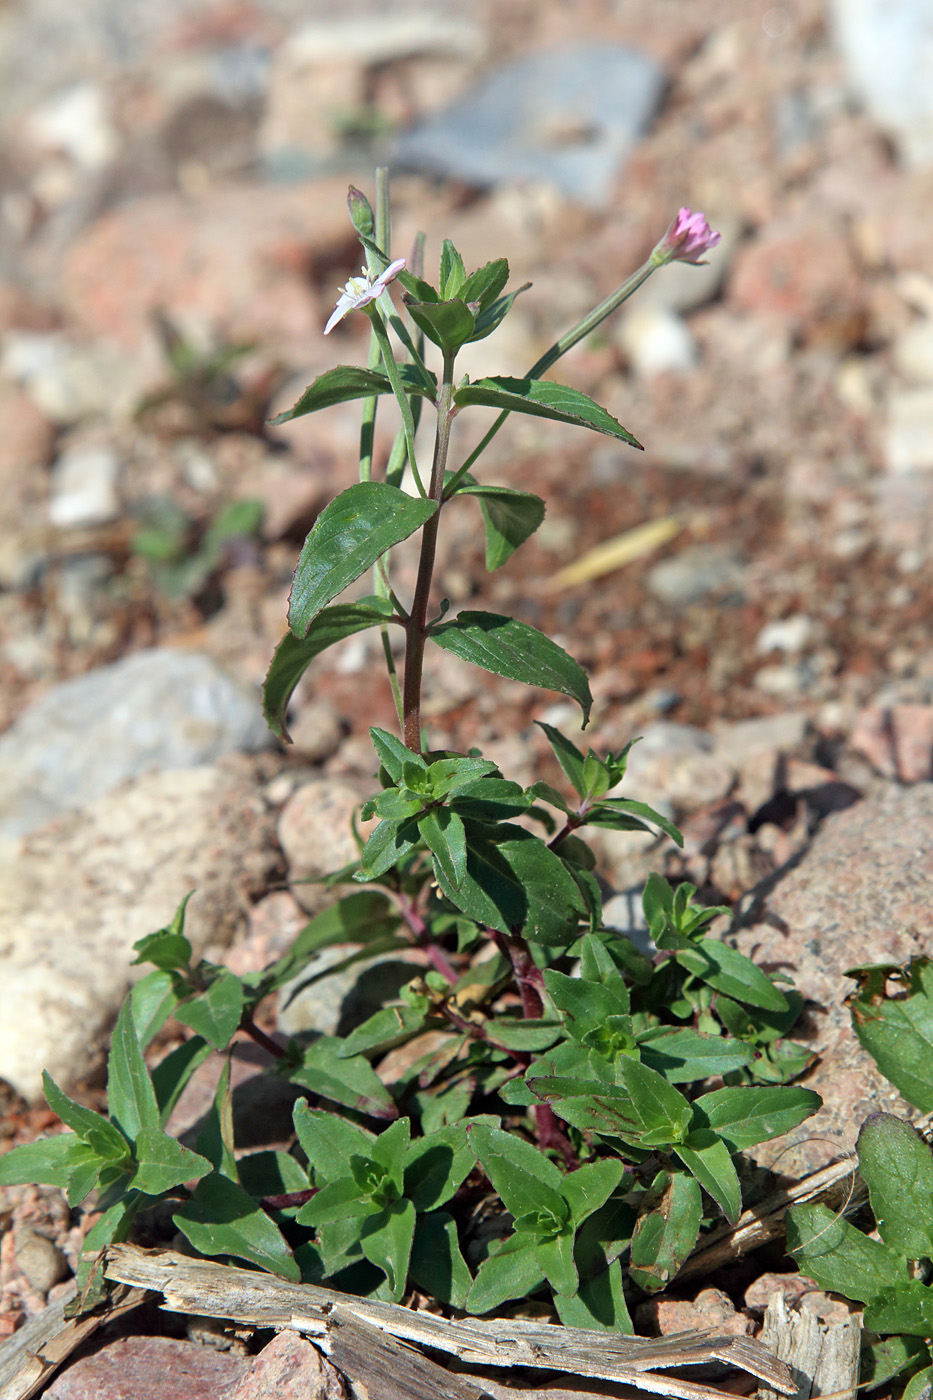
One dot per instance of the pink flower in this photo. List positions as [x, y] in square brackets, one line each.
[360, 291]
[687, 239]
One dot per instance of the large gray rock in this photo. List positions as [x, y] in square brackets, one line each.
[154, 711]
[566, 116]
[888, 52]
[862, 893]
[75, 896]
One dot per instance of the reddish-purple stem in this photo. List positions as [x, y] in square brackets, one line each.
[436, 955]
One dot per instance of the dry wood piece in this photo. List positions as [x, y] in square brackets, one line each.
[823, 1357]
[31, 1355]
[214, 1290]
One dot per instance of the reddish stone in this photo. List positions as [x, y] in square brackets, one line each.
[289, 1368]
[148, 1368]
[800, 272]
[229, 263]
[662, 1317]
[897, 740]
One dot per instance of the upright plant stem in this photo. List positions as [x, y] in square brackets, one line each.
[416, 626]
[560, 347]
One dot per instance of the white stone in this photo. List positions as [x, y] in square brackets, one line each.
[908, 437]
[790, 635]
[156, 710]
[887, 47]
[913, 352]
[84, 487]
[656, 340]
[381, 38]
[77, 123]
[75, 896]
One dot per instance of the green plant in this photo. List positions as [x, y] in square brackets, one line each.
[595, 1057]
[889, 1275]
[166, 539]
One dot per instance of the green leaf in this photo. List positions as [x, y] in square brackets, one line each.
[49, 1162]
[589, 1187]
[353, 1082]
[484, 285]
[271, 1173]
[349, 535]
[586, 1004]
[490, 800]
[442, 832]
[513, 882]
[448, 324]
[215, 1013]
[384, 1030]
[884, 1359]
[542, 398]
[102, 1137]
[168, 949]
[494, 314]
[897, 1167]
[338, 1201]
[511, 517]
[727, 970]
[222, 1219]
[346, 382]
[172, 1073]
[667, 1229]
[920, 1384]
[131, 1098]
[658, 1104]
[294, 655]
[515, 650]
[684, 1055]
[525, 1179]
[619, 814]
[568, 756]
[436, 1166]
[162, 1162]
[598, 1304]
[364, 917]
[512, 1272]
[907, 1307]
[452, 272]
[708, 1157]
[153, 1000]
[436, 1265]
[743, 1116]
[215, 1140]
[386, 1241]
[389, 843]
[393, 754]
[898, 1034]
[555, 1255]
[841, 1259]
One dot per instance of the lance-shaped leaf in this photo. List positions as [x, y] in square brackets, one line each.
[449, 324]
[898, 1033]
[346, 382]
[667, 1229]
[727, 970]
[130, 1096]
[897, 1166]
[294, 655]
[348, 537]
[513, 882]
[708, 1157]
[841, 1258]
[744, 1116]
[221, 1218]
[516, 651]
[510, 518]
[542, 398]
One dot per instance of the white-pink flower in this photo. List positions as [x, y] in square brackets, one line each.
[686, 240]
[360, 291]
